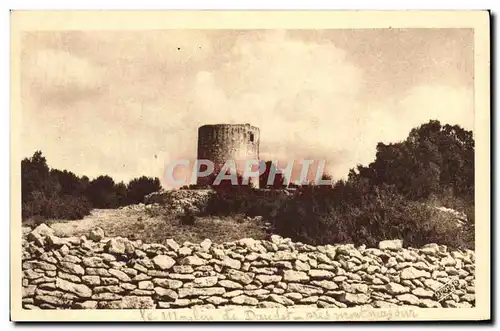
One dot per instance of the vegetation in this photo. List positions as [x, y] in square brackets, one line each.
[56, 194]
[246, 200]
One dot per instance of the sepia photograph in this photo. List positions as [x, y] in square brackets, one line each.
[250, 166]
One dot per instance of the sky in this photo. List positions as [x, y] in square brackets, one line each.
[127, 103]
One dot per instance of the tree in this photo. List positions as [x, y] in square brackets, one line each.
[433, 159]
[70, 183]
[101, 192]
[121, 192]
[35, 176]
[138, 188]
[50, 193]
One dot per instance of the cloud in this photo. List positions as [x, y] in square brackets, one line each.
[448, 104]
[59, 77]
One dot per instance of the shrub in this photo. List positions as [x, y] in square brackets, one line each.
[65, 207]
[234, 200]
[188, 217]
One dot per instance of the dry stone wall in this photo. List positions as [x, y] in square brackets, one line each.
[95, 272]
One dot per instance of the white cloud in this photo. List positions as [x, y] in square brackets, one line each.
[53, 71]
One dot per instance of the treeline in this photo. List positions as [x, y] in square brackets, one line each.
[391, 198]
[60, 194]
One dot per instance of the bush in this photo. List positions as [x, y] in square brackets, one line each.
[65, 207]
[188, 217]
[235, 200]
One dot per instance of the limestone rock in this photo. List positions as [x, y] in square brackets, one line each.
[193, 261]
[168, 283]
[145, 285]
[183, 269]
[355, 287]
[285, 256]
[294, 296]
[79, 289]
[28, 291]
[304, 289]
[164, 293]
[205, 281]
[205, 244]
[409, 298]
[432, 284]
[43, 230]
[53, 301]
[268, 279]
[55, 241]
[321, 274]
[392, 245]
[182, 276]
[428, 303]
[395, 289]
[240, 276]
[71, 278]
[430, 249]
[96, 234]
[185, 251]
[231, 263]
[89, 304]
[172, 244]
[423, 293]
[244, 300]
[119, 246]
[354, 299]
[91, 280]
[448, 261]
[229, 284]
[412, 273]
[326, 284]
[215, 300]
[137, 302]
[269, 304]
[93, 262]
[194, 292]
[72, 268]
[294, 276]
[281, 299]
[120, 275]
[163, 262]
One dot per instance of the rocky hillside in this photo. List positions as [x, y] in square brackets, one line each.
[95, 272]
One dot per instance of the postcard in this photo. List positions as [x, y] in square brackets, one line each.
[250, 166]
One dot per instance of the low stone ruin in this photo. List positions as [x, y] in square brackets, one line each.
[178, 201]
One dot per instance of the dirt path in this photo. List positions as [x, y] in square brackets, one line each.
[97, 218]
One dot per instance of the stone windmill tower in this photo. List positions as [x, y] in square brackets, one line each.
[221, 142]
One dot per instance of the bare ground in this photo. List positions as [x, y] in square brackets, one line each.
[154, 227]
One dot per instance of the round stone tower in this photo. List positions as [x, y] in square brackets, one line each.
[221, 142]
